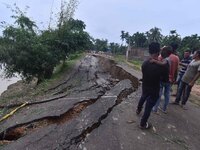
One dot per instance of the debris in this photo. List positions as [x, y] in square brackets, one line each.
[131, 121]
[143, 133]
[154, 129]
[115, 119]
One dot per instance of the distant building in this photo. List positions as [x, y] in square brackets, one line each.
[138, 53]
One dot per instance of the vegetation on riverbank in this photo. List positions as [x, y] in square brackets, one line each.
[23, 91]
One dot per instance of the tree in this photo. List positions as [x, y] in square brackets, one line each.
[22, 51]
[67, 11]
[173, 37]
[101, 45]
[72, 37]
[122, 36]
[154, 35]
[192, 42]
[138, 39]
[30, 53]
[127, 38]
[115, 48]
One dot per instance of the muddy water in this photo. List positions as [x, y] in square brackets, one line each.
[4, 83]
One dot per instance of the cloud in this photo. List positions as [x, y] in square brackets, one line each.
[106, 18]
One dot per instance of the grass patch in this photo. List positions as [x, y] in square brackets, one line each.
[120, 58]
[30, 93]
[137, 64]
[59, 71]
[4, 111]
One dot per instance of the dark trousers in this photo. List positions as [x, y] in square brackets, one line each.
[183, 92]
[151, 99]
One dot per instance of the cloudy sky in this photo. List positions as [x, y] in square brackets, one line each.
[106, 18]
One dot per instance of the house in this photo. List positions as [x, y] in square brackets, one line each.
[137, 53]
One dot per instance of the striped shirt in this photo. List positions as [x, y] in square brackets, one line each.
[184, 61]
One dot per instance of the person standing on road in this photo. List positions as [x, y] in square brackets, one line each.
[189, 78]
[151, 76]
[164, 84]
[174, 59]
[183, 66]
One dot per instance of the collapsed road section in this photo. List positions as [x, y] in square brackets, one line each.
[91, 92]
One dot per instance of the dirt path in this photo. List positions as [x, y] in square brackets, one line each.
[95, 111]
[196, 90]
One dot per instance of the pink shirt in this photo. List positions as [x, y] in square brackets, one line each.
[174, 67]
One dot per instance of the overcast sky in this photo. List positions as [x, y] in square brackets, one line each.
[106, 18]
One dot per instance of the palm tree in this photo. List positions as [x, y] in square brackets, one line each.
[139, 39]
[127, 37]
[173, 37]
[154, 35]
[122, 36]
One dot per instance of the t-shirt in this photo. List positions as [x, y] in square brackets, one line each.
[165, 77]
[191, 71]
[173, 67]
[152, 74]
[185, 61]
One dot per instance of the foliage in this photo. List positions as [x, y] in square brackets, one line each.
[72, 37]
[101, 45]
[173, 37]
[190, 42]
[138, 40]
[154, 35]
[137, 64]
[30, 53]
[125, 36]
[22, 51]
[114, 47]
[67, 11]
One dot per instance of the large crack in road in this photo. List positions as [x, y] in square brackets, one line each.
[89, 94]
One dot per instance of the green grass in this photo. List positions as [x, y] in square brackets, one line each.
[120, 58]
[60, 72]
[137, 64]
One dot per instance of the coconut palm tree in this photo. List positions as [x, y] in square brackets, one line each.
[154, 35]
[122, 36]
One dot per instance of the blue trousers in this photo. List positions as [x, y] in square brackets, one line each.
[166, 87]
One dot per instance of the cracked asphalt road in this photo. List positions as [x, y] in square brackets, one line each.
[91, 87]
[94, 109]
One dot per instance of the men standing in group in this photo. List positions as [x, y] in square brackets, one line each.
[151, 76]
[191, 75]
